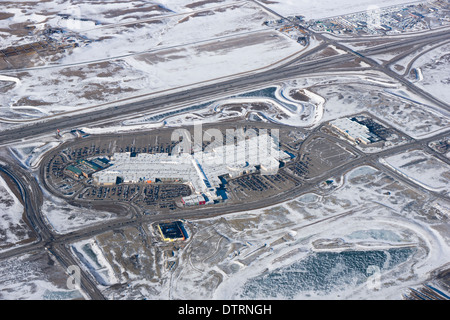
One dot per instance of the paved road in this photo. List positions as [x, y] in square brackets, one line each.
[31, 199]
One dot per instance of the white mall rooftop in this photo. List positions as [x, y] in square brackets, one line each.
[200, 170]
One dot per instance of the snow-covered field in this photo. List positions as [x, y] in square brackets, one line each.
[180, 45]
[330, 97]
[427, 68]
[88, 16]
[348, 94]
[34, 276]
[273, 104]
[94, 261]
[65, 218]
[13, 229]
[144, 48]
[428, 171]
[376, 220]
[433, 67]
[30, 154]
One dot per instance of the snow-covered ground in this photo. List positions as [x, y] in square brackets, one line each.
[377, 224]
[325, 245]
[348, 94]
[330, 97]
[277, 106]
[92, 258]
[180, 45]
[13, 229]
[434, 66]
[30, 154]
[65, 218]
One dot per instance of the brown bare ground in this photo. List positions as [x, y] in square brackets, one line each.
[97, 92]
[185, 19]
[203, 13]
[268, 2]
[399, 67]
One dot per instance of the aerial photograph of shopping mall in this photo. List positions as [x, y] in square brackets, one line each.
[233, 151]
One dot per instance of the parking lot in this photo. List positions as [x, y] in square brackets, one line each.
[80, 186]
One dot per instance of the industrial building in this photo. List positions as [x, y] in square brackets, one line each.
[354, 131]
[202, 170]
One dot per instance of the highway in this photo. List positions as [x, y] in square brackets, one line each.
[58, 244]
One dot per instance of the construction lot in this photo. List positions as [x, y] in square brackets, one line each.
[318, 156]
[214, 261]
[69, 170]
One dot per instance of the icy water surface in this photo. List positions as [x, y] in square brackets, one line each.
[266, 92]
[323, 273]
